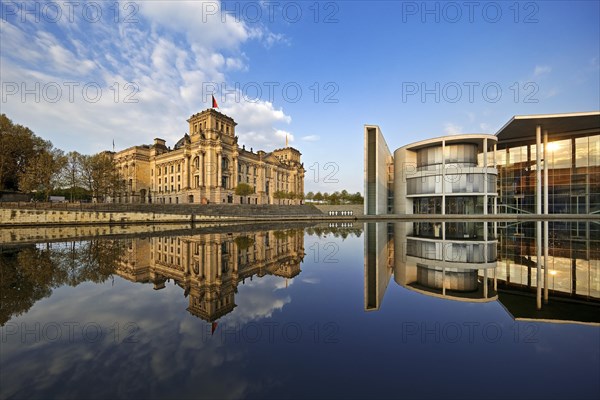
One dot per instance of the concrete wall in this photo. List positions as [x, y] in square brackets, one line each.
[405, 165]
[377, 157]
[357, 209]
[46, 217]
[13, 235]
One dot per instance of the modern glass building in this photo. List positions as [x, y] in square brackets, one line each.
[534, 164]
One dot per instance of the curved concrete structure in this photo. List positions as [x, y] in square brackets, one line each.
[446, 175]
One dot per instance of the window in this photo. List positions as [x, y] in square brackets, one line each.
[178, 167]
[172, 169]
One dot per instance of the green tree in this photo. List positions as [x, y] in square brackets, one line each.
[42, 173]
[100, 176]
[310, 195]
[344, 196]
[19, 146]
[318, 197]
[243, 189]
[71, 174]
[334, 198]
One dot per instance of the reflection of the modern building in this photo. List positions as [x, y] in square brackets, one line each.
[447, 263]
[485, 270]
[209, 267]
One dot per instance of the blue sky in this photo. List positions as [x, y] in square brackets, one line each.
[416, 69]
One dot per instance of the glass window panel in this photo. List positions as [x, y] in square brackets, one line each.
[581, 152]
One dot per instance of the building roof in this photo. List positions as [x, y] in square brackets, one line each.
[521, 128]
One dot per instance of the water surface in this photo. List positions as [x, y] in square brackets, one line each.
[352, 311]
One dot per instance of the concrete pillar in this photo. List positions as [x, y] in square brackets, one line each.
[538, 204]
[546, 213]
[485, 283]
[443, 281]
[443, 177]
[485, 177]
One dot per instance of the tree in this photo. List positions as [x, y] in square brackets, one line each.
[310, 195]
[344, 196]
[334, 198]
[19, 145]
[318, 197]
[243, 189]
[100, 176]
[71, 175]
[279, 195]
[42, 173]
[356, 198]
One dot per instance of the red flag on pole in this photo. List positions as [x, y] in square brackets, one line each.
[214, 325]
[215, 105]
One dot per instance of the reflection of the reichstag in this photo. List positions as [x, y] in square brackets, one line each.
[488, 261]
[208, 267]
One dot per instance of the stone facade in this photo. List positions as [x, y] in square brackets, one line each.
[206, 165]
[210, 267]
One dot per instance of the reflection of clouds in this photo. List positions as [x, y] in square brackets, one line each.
[259, 298]
[172, 346]
[311, 281]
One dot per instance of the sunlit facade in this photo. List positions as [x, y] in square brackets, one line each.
[542, 164]
[206, 166]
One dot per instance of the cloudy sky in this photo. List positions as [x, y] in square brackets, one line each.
[83, 74]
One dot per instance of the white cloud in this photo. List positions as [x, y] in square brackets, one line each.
[485, 127]
[452, 129]
[541, 70]
[310, 138]
[162, 61]
[259, 127]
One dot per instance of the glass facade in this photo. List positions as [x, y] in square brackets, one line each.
[573, 259]
[573, 177]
